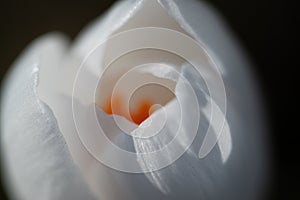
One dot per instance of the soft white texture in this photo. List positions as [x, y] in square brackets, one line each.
[35, 156]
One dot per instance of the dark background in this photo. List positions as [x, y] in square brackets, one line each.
[266, 28]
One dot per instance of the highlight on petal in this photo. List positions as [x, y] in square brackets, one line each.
[30, 137]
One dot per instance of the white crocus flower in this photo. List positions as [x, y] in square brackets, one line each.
[211, 115]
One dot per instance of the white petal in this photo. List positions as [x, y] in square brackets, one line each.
[37, 161]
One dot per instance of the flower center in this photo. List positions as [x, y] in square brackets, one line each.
[116, 105]
[131, 89]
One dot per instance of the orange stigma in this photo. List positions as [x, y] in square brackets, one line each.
[115, 105]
